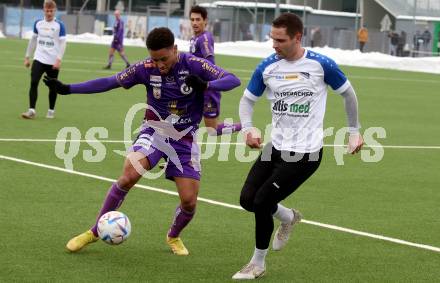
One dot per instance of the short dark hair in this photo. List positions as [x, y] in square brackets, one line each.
[199, 10]
[291, 22]
[160, 38]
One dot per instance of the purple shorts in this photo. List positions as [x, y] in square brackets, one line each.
[117, 46]
[211, 107]
[183, 156]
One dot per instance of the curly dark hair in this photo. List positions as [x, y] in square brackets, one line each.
[160, 38]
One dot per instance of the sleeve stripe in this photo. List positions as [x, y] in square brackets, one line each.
[343, 87]
[250, 95]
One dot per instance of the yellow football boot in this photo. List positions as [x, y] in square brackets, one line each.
[77, 243]
[177, 246]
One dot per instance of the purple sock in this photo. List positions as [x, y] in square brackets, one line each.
[224, 128]
[113, 201]
[110, 59]
[125, 59]
[181, 219]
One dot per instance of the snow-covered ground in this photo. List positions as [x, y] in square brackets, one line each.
[264, 49]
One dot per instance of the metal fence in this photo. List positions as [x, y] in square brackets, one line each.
[226, 23]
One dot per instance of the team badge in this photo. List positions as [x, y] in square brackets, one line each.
[156, 92]
[185, 90]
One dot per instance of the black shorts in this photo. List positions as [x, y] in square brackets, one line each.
[275, 175]
[38, 69]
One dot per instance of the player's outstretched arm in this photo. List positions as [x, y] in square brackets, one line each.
[93, 86]
[355, 140]
[225, 83]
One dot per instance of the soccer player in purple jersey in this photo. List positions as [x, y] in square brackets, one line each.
[175, 84]
[202, 45]
[118, 42]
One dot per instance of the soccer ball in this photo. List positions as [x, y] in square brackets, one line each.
[114, 227]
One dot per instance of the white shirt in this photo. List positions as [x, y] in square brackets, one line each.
[50, 37]
[297, 91]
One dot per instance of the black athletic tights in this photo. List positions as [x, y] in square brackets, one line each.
[38, 69]
[274, 176]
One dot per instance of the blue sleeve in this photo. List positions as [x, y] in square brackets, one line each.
[35, 27]
[62, 28]
[333, 76]
[256, 85]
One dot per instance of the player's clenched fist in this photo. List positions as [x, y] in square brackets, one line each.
[196, 83]
[27, 63]
[56, 85]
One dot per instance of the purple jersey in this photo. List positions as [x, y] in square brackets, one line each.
[118, 31]
[168, 94]
[202, 46]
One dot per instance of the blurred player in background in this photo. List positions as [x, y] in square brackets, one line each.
[175, 84]
[296, 81]
[202, 45]
[118, 42]
[49, 42]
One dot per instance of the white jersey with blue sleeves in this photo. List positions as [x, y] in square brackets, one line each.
[297, 91]
[49, 35]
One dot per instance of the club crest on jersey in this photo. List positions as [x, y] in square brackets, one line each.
[185, 90]
[156, 92]
[305, 75]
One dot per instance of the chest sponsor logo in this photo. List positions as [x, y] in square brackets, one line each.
[46, 43]
[181, 121]
[281, 106]
[299, 93]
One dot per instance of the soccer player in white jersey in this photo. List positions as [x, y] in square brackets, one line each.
[295, 80]
[49, 42]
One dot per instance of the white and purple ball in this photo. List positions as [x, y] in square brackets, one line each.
[114, 227]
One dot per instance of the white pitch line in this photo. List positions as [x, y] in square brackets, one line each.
[149, 188]
[215, 143]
